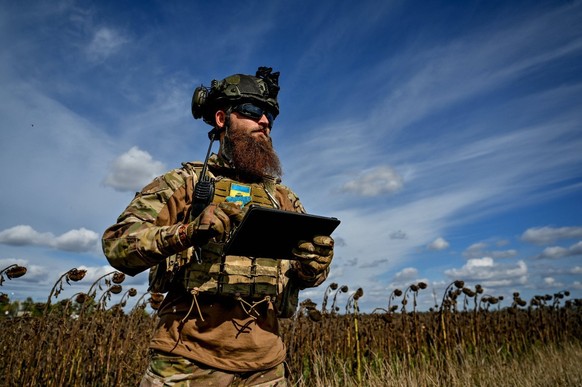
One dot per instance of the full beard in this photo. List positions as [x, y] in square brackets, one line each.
[254, 159]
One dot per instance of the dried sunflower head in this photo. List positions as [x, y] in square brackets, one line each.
[308, 304]
[468, 292]
[157, 297]
[118, 277]
[314, 315]
[15, 272]
[76, 275]
[115, 289]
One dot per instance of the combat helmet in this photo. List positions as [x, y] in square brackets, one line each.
[262, 90]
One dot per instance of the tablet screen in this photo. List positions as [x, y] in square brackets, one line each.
[271, 233]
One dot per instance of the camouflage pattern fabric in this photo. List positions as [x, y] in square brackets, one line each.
[147, 234]
[170, 370]
[147, 231]
[247, 277]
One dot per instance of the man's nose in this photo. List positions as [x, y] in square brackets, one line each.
[264, 121]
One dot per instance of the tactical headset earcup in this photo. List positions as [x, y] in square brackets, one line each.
[199, 99]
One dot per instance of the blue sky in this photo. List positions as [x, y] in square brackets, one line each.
[445, 135]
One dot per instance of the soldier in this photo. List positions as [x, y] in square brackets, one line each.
[218, 321]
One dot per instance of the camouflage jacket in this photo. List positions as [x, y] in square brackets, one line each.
[146, 233]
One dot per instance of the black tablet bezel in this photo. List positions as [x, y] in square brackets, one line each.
[272, 233]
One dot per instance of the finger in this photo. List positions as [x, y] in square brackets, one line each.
[303, 256]
[305, 246]
[316, 266]
[323, 240]
[308, 249]
[207, 215]
[229, 208]
[221, 222]
[233, 210]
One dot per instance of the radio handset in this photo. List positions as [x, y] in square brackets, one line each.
[203, 193]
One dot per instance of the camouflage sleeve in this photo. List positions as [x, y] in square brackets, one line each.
[290, 202]
[149, 228]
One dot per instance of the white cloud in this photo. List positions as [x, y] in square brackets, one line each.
[379, 181]
[502, 242]
[77, 240]
[105, 42]
[24, 235]
[406, 274]
[378, 263]
[81, 240]
[554, 252]
[491, 274]
[133, 170]
[438, 244]
[478, 250]
[476, 247]
[503, 253]
[476, 64]
[551, 282]
[545, 235]
[404, 278]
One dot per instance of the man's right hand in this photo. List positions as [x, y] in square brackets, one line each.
[215, 221]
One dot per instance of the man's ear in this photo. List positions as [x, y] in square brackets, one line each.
[220, 118]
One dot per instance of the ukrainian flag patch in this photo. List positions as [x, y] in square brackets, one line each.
[239, 194]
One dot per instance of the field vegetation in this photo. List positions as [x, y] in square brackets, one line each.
[466, 339]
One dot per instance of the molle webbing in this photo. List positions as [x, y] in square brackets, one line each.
[236, 276]
[248, 277]
[258, 193]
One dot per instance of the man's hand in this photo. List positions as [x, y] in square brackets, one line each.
[314, 257]
[216, 220]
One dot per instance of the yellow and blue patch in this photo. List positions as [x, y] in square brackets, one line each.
[239, 194]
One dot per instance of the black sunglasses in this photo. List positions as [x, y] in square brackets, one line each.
[253, 111]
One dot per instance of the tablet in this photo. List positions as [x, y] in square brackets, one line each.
[271, 233]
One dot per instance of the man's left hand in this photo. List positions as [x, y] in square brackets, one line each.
[314, 256]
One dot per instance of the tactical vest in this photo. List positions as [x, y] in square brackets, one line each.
[210, 272]
[237, 276]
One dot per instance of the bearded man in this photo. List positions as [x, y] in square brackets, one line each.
[218, 322]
